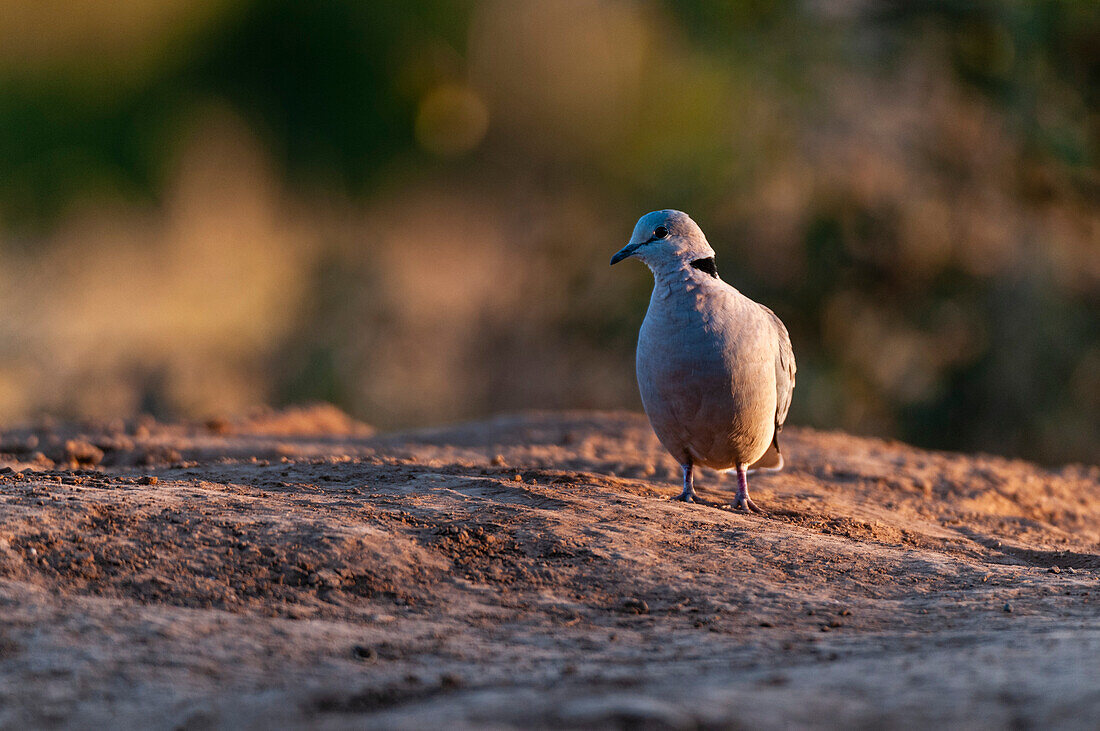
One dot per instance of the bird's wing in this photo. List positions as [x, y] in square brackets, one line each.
[784, 370]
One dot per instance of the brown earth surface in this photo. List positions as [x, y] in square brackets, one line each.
[294, 569]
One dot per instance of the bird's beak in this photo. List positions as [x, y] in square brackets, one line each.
[624, 253]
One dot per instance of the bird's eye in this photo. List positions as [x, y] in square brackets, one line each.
[660, 232]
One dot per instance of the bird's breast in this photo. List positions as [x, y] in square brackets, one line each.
[706, 377]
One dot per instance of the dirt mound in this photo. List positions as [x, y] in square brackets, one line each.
[292, 568]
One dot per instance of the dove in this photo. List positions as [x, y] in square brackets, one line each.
[715, 369]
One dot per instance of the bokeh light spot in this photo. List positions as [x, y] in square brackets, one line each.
[451, 120]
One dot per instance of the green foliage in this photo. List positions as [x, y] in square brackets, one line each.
[910, 183]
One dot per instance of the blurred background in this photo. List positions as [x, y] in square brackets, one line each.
[407, 209]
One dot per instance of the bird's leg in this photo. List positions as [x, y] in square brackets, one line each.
[688, 495]
[743, 502]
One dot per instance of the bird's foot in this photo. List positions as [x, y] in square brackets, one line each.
[691, 497]
[744, 502]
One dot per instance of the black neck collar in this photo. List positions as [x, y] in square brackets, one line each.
[707, 265]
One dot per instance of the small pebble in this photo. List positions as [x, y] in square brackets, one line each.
[148, 480]
[633, 605]
[1008, 608]
[362, 652]
[498, 461]
[1054, 570]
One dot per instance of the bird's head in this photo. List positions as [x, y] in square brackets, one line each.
[666, 239]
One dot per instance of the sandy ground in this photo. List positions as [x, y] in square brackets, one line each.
[295, 569]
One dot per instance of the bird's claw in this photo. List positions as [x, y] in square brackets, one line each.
[745, 503]
[693, 498]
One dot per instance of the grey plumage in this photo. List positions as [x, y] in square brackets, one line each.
[715, 370]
